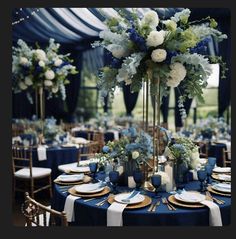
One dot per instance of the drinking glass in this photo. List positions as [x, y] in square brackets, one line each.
[156, 182]
[114, 178]
[209, 169]
[138, 178]
[202, 175]
[93, 169]
[212, 161]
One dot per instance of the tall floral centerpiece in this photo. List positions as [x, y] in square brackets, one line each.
[156, 54]
[38, 70]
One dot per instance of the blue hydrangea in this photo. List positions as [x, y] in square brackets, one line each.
[201, 46]
[105, 149]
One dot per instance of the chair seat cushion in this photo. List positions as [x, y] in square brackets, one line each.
[67, 167]
[36, 172]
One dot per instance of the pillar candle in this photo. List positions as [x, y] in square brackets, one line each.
[169, 170]
[131, 182]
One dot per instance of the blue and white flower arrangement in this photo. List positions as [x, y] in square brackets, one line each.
[164, 51]
[34, 68]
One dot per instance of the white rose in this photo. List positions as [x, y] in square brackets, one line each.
[41, 63]
[158, 55]
[40, 54]
[23, 61]
[135, 154]
[176, 75]
[117, 50]
[58, 62]
[48, 83]
[54, 89]
[151, 19]
[22, 86]
[155, 38]
[28, 80]
[49, 74]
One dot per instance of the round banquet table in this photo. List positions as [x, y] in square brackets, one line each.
[88, 214]
[55, 157]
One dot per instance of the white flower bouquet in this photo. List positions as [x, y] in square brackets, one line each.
[163, 51]
[34, 68]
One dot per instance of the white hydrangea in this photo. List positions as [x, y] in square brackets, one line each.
[57, 62]
[23, 61]
[28, 81]
[42, 63]
[40, 54]
[135, 154]
[158, 55]
[48, 83]
[22, 85]
[49, 74]
[151, 19]
[117, 51]
[176, 75]
[155, 38]
[164, 177]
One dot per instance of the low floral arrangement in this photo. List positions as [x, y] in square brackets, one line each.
[34, 68]
[136, 146]
[163, 51]
[183, 151]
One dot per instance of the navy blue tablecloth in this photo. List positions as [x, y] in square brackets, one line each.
[56, 157]
[88, 214]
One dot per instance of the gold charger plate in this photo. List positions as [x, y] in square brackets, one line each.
[86, 179]
[72, 172]
[105, 191]
[147, 201]
[216, 176]
[174, 201]
[210, 189]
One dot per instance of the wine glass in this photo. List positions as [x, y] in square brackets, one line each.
[114, 178]
[202, 175]
[138, 178]
[212, 161]
[156, 182]
[93, 169]
[209, 169]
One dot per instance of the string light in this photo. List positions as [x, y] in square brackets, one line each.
[33, 13]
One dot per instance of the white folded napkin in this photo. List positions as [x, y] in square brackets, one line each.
[114, 214]
[194, 172]
[42, 152]
[214, 213]
[69, 207]
[70, 177]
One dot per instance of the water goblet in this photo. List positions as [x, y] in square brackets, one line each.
[138, 178]
[202, 175]
[209, 169]
[212, 161]
[93, 169]
[114, 178]
[156, 182]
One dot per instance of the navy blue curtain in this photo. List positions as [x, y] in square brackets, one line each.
[130, 99]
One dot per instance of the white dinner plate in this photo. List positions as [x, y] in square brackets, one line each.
[89, 188]
[190, 197]
[82, 169]
[222, 187]
[222, 170]
[70, 178]
[136, 199]
[224, 177]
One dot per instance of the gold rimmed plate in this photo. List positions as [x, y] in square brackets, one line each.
[210, 189]
[175, 202]
[73, 192]
[218, 177]
[86, 179]
[147, 201]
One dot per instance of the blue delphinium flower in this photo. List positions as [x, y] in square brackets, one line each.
[116, 63]
[169, 56]
[137, 39]
[201, 46]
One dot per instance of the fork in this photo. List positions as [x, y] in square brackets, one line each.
[219, 201]
[155, 206]
[170, 207]
[90, 199]
[151, 207]
[103, 201]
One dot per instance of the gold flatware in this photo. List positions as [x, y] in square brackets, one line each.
[170, 206]
[90, 199]
[155, 206]
[219, 201]
[151, 207]
[103, 201]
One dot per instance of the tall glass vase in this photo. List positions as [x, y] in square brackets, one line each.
[180, 174]
[40, 102]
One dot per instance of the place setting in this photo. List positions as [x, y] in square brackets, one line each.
[72, 179]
